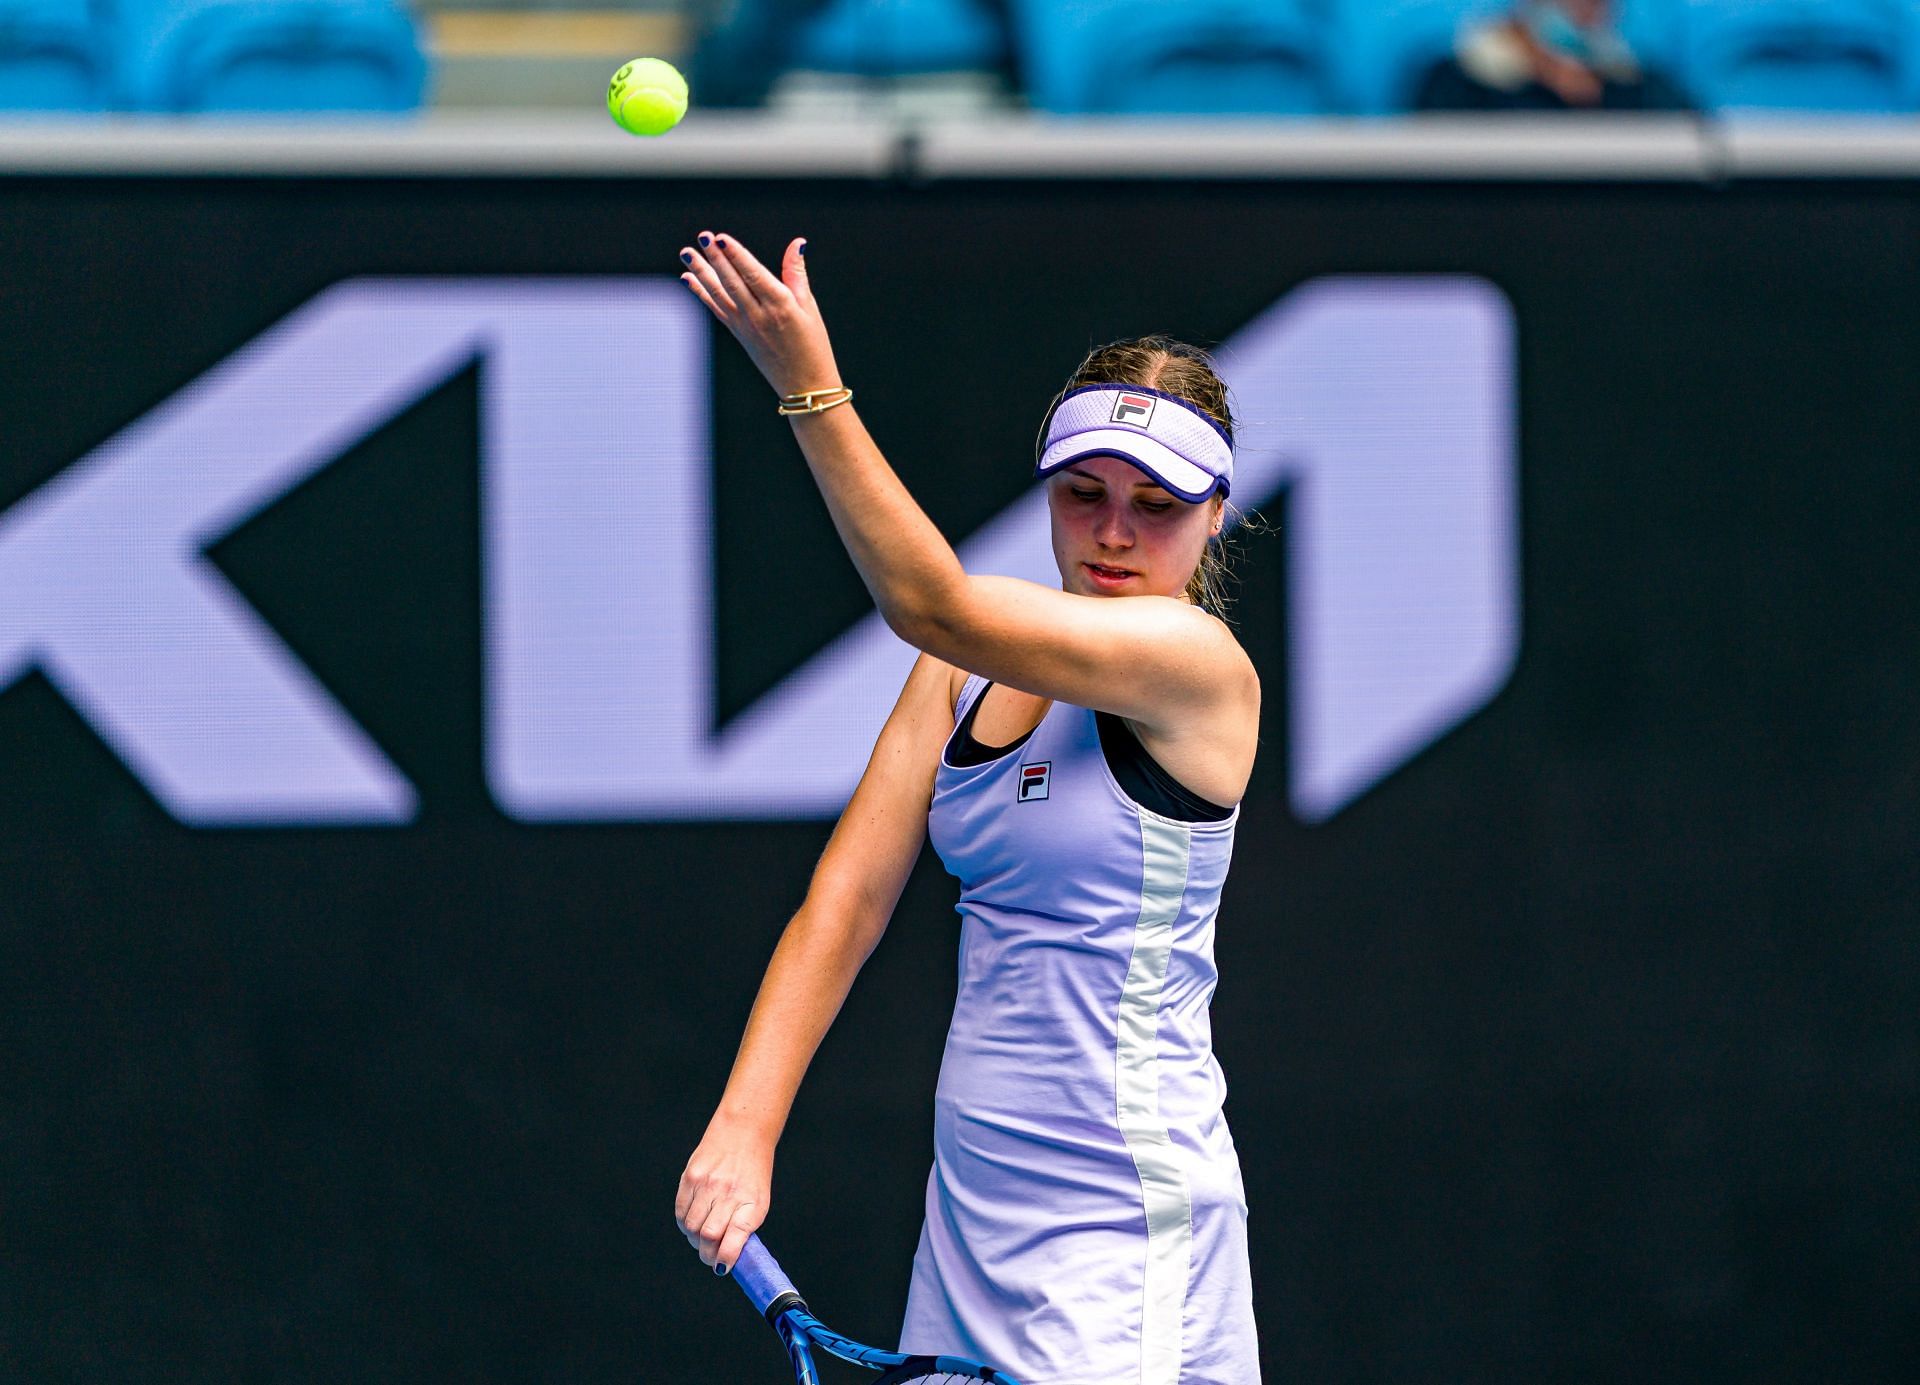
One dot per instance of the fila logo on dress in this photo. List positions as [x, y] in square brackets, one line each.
[1136, 409]
[1034, 780]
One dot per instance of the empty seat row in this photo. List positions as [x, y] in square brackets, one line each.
[1305, 57]
[1274, 57]
[209, 55]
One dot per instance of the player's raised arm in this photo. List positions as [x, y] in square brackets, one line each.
[1131, 532]
[725, 1191]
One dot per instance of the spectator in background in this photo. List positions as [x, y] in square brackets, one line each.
[743, 46]
[1547, 55]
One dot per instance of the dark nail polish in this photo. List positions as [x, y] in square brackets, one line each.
[705, 241]
[720, 1270]
[803, 250]
[686, 257]
[723, 242]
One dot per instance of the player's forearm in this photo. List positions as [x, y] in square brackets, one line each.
[909, 567]
[806, 983]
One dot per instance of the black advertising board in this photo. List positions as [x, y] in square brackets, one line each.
[360, 1017]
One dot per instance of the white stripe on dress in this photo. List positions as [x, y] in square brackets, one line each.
[1163, 1184]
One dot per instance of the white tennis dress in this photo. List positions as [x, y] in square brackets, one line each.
[1086, 1222]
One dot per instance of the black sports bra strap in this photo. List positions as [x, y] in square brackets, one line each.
[1145, 780]
[963, 751]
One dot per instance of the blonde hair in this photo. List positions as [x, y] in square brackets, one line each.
[1186, 372]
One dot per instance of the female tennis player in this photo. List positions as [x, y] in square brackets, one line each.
[1076, 756]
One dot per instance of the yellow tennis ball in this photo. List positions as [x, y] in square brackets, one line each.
[647, 97]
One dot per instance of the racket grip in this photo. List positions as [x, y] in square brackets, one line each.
[759, 1275]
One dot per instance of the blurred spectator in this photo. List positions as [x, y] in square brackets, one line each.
[743, 47]
[1547, 55]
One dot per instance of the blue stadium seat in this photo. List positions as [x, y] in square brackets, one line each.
[887, 38]
[1193, 57]
[270, 55]
[1387, 47]
[53, 57]
[1652, 29]
[1804, 55]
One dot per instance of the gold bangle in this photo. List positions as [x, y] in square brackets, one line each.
[813, 401]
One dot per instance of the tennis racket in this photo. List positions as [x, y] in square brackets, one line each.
[769, 1290]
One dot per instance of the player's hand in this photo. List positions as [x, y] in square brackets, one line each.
[773, 317]
[724, 1193]
[1571, 81]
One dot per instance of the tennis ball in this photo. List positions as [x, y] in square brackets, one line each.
[647, 97]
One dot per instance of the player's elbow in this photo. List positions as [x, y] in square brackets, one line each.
[925, 629]
[841, 921]
[845, 898]
[933, 617]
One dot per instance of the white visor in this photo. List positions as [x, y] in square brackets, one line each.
[1168, 438]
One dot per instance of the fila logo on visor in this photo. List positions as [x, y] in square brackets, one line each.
[1034, 780]
[1136, 409]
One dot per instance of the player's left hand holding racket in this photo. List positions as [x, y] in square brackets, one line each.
[770, 1291]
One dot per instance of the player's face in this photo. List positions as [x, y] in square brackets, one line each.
[1117, 533]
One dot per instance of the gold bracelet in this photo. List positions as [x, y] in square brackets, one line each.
[813, 401]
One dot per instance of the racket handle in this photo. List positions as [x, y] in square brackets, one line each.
[759, 1275]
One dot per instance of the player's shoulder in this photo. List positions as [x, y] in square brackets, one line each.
[1211, 642]
[1242, 677]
